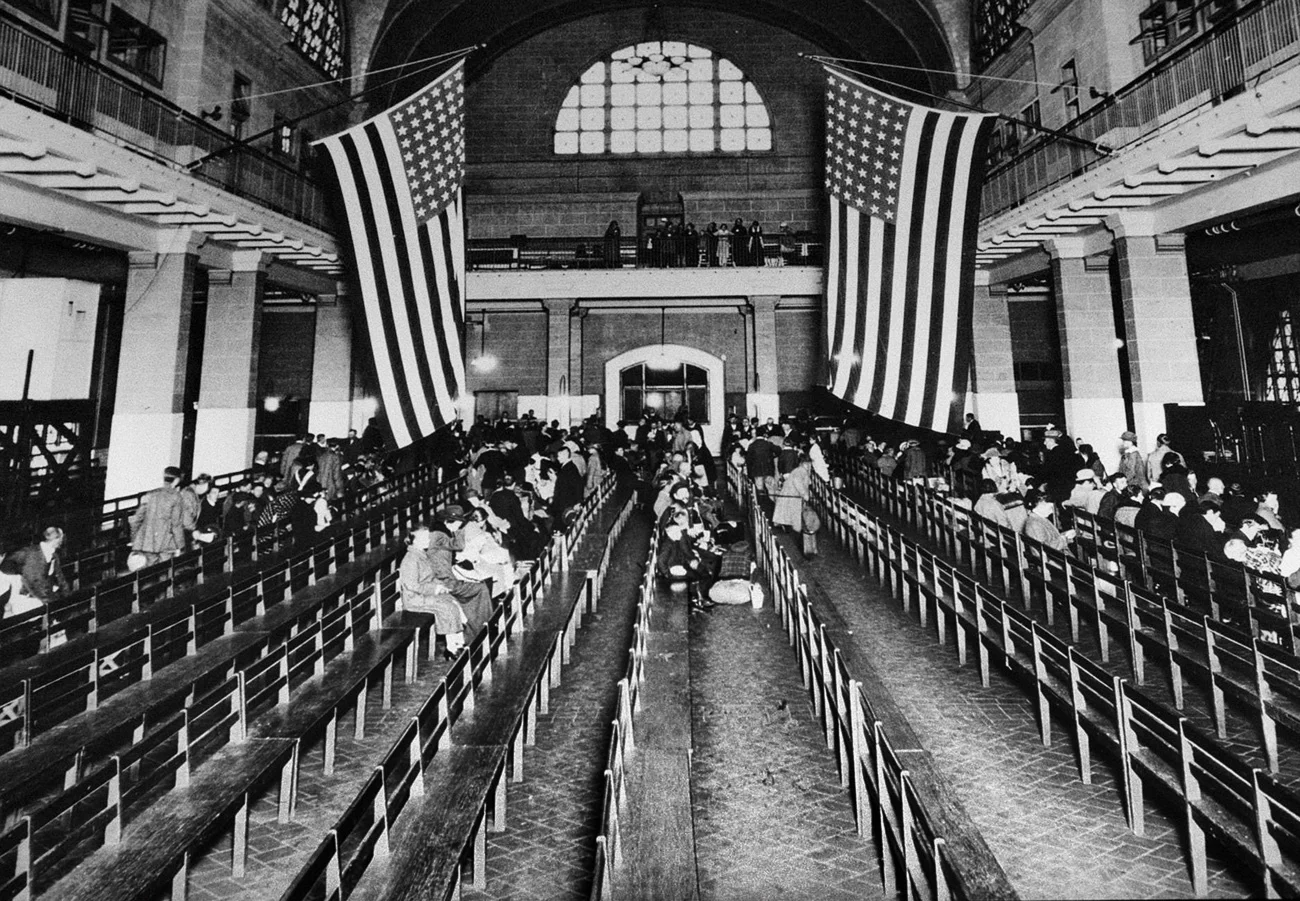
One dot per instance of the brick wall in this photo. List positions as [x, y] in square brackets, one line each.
[517, 185]
[518, 341]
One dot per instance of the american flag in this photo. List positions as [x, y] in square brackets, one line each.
[904, 183]
[400, 177]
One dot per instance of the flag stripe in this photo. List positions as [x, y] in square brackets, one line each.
[834, 302]
[374, 291]
[398, 269]
[431, 248]
[964, 341]
[926, 389]
[850, 358]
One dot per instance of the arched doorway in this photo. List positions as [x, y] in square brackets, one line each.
[666, 377]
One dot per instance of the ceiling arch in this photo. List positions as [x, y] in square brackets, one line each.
[891, 32]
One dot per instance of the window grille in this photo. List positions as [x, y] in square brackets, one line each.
[317, 29]
[1283, 383]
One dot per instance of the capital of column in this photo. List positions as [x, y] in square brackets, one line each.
[559, 304]
[1131, 224]
[764, 303]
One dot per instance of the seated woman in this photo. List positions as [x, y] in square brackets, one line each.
[684, 560]
[482, 557]
[473, 597]
[423, 593]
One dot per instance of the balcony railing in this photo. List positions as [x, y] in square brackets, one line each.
[39, 72]
[1256, 44]
[590, 253]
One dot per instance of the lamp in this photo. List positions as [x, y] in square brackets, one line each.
[214, 114]
[484, 362]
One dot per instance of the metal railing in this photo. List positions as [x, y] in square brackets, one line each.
[681, 252]
[41, 73]
[1250, 48]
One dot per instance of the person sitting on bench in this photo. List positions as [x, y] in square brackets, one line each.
[474, 598]
[683, 560]
[425, 594]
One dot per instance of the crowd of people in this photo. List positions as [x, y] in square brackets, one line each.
[673, 245]
[1036, 487]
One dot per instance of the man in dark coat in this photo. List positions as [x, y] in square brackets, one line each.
[570, 486]
[36, 571]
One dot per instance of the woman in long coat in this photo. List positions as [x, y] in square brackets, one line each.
[790, 497]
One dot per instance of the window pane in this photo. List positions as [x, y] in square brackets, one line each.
[594, 75]
[649, 94]
[566, 142]
[621, 73]
[756, 115]
[622, 141]
[648, 117]
[700, 70]
[727, 71]
[593, 119]
[695, 375]
[567, 120]
[593, 95]
[701, 117]
[571, 99]
[702, 140]
[730, 116]
[675, 141]
[675, 117]
[701, 92]
[760, 138]
[649, 142]
[732, 139]
[675, 94]
[674, 48]
[622, 117]
[731, 92]
[591, 141]
[751, 93]
[622, 95]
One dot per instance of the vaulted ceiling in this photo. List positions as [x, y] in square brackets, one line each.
[913, 33]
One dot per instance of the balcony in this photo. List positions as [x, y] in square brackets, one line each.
[42, 74]
[580, 253]
[1259, 43]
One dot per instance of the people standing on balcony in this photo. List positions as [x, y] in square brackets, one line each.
[724, 245]
[739, 243]
[613, 252]
[788, 244]
[757, 255]
[710, 238]
[157, 527]
[690, 246]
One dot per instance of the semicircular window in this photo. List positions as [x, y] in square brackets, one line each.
[317, 29]
[662, 97]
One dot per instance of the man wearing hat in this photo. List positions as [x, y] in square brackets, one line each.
[1060, 464]
[1131, 461]
[475, 598]
[999, 470]
[1086, 494]
[158, 525]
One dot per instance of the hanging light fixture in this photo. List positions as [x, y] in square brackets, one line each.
[661, 360]
[484, 362]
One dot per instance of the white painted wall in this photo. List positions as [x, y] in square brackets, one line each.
[55, 317]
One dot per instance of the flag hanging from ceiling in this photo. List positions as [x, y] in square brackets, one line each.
[400, 176]
[904, 183]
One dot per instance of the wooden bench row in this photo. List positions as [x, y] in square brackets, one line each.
[108, 595]
[1153, 745]
[929, 848]
[1245, 662]
[43, 692]
[425, 806]
[296, 691]
[606, 876]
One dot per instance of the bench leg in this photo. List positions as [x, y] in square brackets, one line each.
[412, 657]
[1196, 851]
[480, 854]
[517, 761]
[388, 684]
[531, 725]
[180, 880]
[239, 859]
[544, 698]
[331, 739]
[499, 804]
[359, 728]
[288, 807]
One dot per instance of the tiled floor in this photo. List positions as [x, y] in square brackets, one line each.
[771, 820]
[1054, 835]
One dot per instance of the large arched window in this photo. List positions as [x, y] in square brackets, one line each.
[662, 97]
[317, 29]
[667, 388]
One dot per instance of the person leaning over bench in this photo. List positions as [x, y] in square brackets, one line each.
[422, 593]
[474, 599]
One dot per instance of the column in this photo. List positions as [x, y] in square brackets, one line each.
[331, 374]
[993, 398]
[764, 397]
[147, 415]
[185, 59]
[559, 390]
[223, 437]
[1085, 316]
[1163, 363]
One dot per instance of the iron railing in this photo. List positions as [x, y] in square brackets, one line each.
[46, 75]
[1254, 46]
[681, 252]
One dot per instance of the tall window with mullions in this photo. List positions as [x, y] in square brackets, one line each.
[1283, 383]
